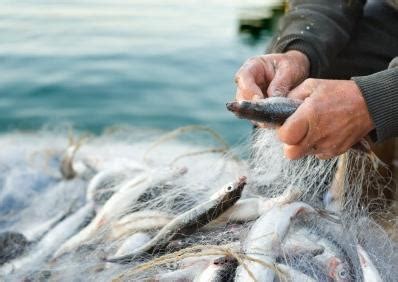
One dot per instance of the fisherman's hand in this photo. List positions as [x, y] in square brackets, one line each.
[333, 117]
[271, 75]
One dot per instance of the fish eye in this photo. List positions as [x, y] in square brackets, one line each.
[229, 188]
[343, 273]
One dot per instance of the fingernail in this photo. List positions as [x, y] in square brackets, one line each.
[277, 93]
[256, 97]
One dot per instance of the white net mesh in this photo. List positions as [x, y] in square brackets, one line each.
[130, 186]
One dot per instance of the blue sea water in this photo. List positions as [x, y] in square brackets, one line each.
[144, 63]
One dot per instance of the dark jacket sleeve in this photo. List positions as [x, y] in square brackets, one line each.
[380, 91]
[318, 28]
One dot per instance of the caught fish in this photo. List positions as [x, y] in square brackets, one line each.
[105, 183]
[369, 270]
[252, 208]
[290, 274]
[45, 248]
[300, 248]
[232, 232]
[190, 221]
[263, 241]
[12, 245]
[118, 205]
[133, 242]
[336, 269]
[274, 110]
[181, 275]
[140, 221]
[221, 269]
[66, 168]
[338, 260]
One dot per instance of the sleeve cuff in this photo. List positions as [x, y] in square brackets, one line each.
[380, 91]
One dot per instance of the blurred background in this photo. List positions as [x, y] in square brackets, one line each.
[143, 63]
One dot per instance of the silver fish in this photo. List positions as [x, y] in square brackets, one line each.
[290, 274]
[133, 242]
[66, 167]
[369, 270]
[271, 110]
[264, 240]
[221, 269]
[141, 221]
[189, 221]
[112, 210]
[105, 183]
[252, 208]
[50, 241]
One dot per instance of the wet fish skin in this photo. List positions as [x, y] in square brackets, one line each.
[12, 245]
[47, 245]
[292, 275]
[66, 166]
[133, 242]
[220, 270]
[369, 270]
[104, 183]
[190, 221]
[273, 110]
[264, 239]
[140, 221]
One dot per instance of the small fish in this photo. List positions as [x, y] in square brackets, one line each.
[232, 232]
[117, 206]
[112, 209]
[244, 210]
[186, 274]
[289, 274]
[335, 267]
[252, 208]
[67, 170]
[141, 221]
[299, 249]
[190, 221]
[263, 241]
[45, 248]
[105, 183]
[274, 110]
[133, 242]
[369, 270]
[12, 245]
[221, 269]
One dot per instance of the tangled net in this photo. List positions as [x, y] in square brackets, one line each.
[126, 186]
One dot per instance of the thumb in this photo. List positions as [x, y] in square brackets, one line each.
[282, 82]
[295, 128]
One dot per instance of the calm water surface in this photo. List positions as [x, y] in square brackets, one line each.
[145, 63]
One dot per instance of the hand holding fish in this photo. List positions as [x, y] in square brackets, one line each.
[271, 75]
[333, 117]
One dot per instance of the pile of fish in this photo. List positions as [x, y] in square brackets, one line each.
[115, 217]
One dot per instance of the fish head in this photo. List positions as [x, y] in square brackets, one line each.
[339, 270]
[242, 109]
[231, 190]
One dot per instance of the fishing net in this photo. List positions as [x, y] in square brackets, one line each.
[129, 184]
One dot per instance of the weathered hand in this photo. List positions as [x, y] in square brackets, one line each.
[333, 117]
[271, 75]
